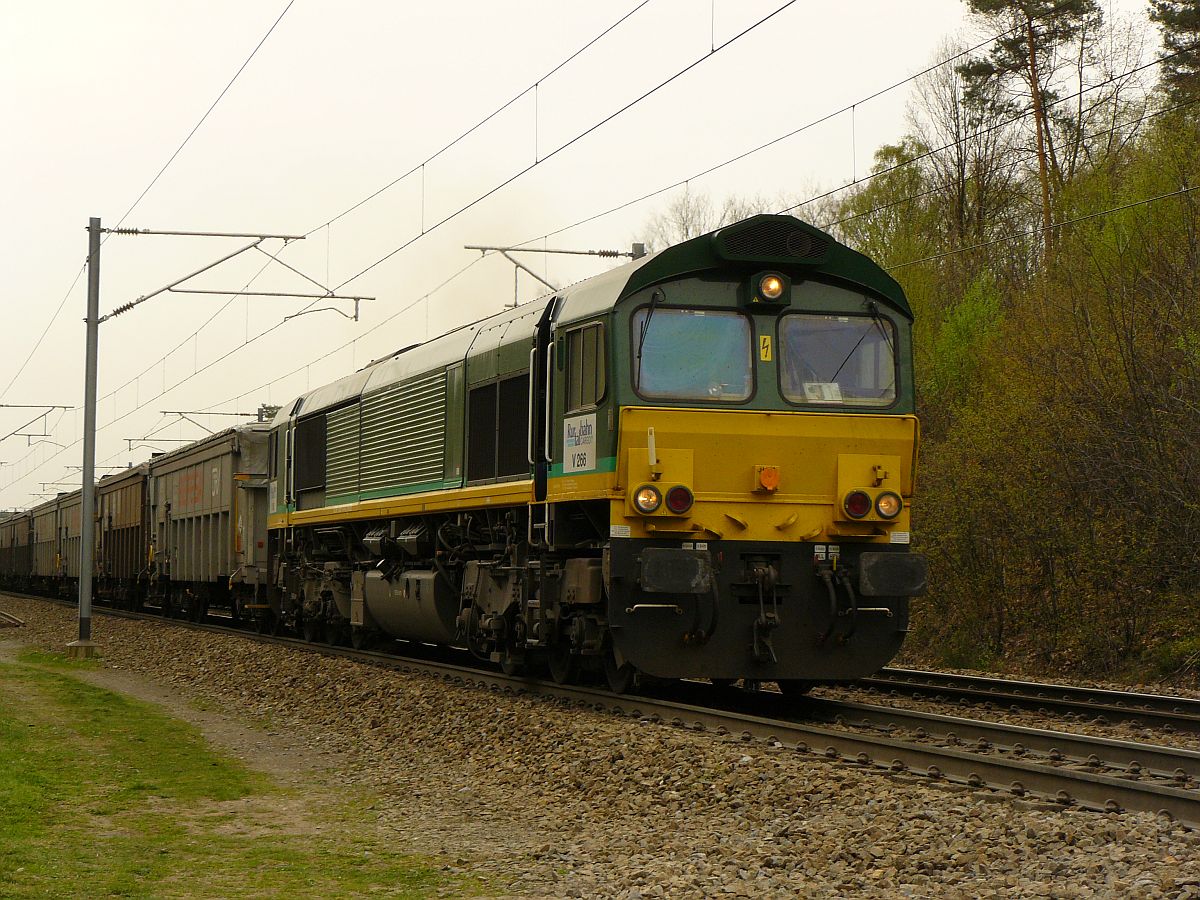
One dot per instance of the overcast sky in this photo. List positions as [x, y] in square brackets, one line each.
[340, 100]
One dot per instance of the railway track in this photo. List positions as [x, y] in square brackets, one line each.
[1155, 710]
[1063, 769]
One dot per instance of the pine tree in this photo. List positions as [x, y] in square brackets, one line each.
[1035, 29]
[1179, 21]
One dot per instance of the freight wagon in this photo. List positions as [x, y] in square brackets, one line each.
[207, 524]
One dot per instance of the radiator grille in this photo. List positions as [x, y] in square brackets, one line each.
[404, 434]
[341, 452]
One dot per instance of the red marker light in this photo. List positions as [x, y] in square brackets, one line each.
[857, 504]
[679, 499]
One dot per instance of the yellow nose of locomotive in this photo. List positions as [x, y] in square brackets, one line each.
[750, 475]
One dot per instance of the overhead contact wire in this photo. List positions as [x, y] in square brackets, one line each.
[207, 113]
[497, 111]
[503, 184]
[147, 189]
[45, 331]
[452, 143]
[1043, 228]
[445, 148]
[768, 144]
[931, 191]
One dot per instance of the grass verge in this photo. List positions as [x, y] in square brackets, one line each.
[105, 796]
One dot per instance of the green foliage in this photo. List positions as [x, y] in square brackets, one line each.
[959, 345]
[1180, 656]
[1059, 389]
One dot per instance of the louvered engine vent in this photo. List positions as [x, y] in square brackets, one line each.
[773, 238]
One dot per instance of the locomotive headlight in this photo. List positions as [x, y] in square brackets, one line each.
[857, 504]
[768, 288]
[647, 499]
[771, 287]
[888, 505]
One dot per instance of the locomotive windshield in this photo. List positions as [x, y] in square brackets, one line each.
[838, 359]
[692, 354]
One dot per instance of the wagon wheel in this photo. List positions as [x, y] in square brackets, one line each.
[564, 665]
[621, 677]
[264, 621]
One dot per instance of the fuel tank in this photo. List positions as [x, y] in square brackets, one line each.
[414, 605]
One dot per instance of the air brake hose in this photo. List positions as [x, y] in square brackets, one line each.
[827, 577]
[844, 580]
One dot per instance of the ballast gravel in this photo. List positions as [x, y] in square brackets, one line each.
[553, 801]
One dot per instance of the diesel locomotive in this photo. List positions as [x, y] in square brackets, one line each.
[699, 464]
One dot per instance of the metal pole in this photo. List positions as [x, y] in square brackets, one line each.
[84, 646]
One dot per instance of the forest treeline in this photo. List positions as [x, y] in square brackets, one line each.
[1042, 212]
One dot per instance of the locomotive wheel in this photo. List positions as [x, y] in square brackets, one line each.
[510, 663]
[264, 622]
[361, 638]
[620, 678]
[564, 665]
[793, 687]
[312, 630]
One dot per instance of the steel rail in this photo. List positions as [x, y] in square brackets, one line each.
[1181, 713]
[1170, 763]
[884, 754]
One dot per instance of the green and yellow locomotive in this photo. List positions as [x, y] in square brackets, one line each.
[699, 464]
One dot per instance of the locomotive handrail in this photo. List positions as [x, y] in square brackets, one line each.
[549, 440]
[530, 417]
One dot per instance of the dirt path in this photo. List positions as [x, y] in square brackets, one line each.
[285, 758]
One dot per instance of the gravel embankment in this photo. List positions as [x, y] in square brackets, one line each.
[567, 802]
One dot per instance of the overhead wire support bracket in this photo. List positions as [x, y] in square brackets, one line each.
[175, 290]
[159, 440]
[174, 286]
[520, 265]
[204, 412]
[124, 308]
[635, 252]
[231, 234]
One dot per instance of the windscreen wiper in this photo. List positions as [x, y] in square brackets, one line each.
[876, 319]
[654, 295]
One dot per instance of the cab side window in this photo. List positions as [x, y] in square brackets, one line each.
[585, 367]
